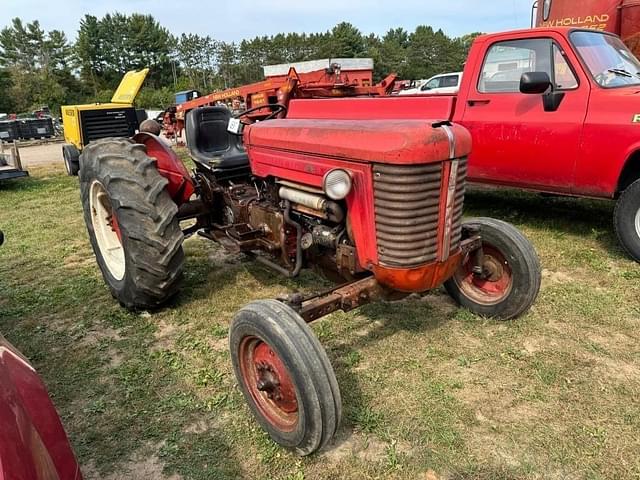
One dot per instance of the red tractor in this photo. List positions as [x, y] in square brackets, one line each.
[375, 205]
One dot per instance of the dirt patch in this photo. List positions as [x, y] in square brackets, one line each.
[39, 155]
[442, 302]
[618, 370]
[75, 261]
[207, 425]
[165, 335]
[221, 258]
[219, 344]
[550, 277]
[115, 358]
[347, 445]
[141, 466]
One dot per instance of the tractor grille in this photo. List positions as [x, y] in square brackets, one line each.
[408, 212]
[115, 122]
[458, 204]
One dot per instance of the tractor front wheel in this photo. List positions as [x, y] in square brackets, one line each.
[285, 376]
[510, 279]
[71, 157]
[132, 223]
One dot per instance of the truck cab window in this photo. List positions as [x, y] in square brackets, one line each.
[507, 61]
[450, 81]
[565, 79]
[609, 61]
[435, 83]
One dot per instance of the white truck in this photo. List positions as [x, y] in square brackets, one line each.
[444, 83]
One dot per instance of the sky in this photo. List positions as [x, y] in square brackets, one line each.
[238, 19]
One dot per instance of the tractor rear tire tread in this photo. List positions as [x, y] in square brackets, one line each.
[151, 234]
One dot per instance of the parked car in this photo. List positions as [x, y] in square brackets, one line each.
[445, 83]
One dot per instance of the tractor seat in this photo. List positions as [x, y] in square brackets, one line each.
[209, 141]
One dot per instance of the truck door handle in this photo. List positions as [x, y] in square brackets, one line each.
[473, 103]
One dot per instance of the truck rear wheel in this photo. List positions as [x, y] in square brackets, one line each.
[626, 219]
[511, 273]
[285, 376]
[132, 223]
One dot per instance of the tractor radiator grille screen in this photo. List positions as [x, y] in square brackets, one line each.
[409, 211]
[115, 122]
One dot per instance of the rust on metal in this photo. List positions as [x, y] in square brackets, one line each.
[345, 298]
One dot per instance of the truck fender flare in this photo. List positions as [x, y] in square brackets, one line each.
[629, 170]
[181, 185]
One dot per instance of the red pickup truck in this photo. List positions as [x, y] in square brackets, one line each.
[552, 110]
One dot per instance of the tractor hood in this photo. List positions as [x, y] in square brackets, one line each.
[371, 141]
[129, 87]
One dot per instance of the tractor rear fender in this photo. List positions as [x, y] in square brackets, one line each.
[180, 186]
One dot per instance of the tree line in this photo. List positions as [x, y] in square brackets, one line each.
[45, 68]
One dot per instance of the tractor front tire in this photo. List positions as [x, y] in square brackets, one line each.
[285, 376]
[626, 219]
[71, 157]
[511, 273]
[132, 223]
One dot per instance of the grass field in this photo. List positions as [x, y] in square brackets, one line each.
[429, 391]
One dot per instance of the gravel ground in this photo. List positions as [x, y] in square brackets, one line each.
[40, 155]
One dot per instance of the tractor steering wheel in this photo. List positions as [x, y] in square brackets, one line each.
[278, 109]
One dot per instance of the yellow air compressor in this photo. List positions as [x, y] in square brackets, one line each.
[86, 123]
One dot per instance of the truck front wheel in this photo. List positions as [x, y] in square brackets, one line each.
[626, 219]
[132, 223]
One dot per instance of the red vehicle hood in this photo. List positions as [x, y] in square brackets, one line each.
[33, 444]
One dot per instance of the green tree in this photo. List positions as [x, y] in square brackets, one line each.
[345, 41]
[109, 47]
[38, 64]
[6, 100]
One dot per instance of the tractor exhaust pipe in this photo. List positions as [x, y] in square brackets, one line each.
[316, 205]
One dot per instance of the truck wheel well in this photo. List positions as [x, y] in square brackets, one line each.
[630, 173]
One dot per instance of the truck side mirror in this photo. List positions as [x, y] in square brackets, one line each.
[539, 83]
[535, 83]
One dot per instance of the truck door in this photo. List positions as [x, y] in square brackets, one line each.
[515, 142]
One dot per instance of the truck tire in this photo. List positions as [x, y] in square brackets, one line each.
[71, 157]
[514, 273]
[285, 376]
[132, 223]
[626, 220]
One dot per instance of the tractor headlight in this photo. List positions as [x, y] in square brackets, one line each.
[337, 184]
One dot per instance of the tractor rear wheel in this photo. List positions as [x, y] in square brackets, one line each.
[510, 281]
[285, 376]
[132, 223]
